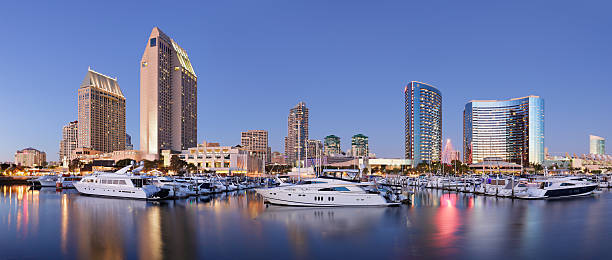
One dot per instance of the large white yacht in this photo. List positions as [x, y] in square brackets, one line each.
[44, 181]
[561, 188]
[121, 184]
[325, 192]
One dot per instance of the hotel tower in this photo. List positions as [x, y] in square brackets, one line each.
[423, 123]
[101, 113]
[168, 96]
[512, 130]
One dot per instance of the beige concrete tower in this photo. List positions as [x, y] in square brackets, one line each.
[101, 116]
[69, 141]
[168, 96]
[256, 142]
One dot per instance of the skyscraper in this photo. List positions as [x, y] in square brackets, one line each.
[128, 142]
[168, 96]
[69, 141]
[423, 123]
[101, 116]
[359, 145]
[297, 133]
[512, 130]
[597, 145]
[256, 142]
[332, 145]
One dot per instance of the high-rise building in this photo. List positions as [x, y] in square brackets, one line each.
[359, 146]
[101, 116]
[256, 142]
[315, 148]
[128, 142]
[332, 145]
[30, 157]
[168, 96]
[423, 123]
[297, 133]
[512, 130]
[69, 141]
[597, 145]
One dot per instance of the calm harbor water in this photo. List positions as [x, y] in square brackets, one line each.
[49, 224]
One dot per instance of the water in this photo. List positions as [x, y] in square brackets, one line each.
[44, 224]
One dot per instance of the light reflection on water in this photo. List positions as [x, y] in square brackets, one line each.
[62, 224]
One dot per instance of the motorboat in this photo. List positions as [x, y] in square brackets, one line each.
[67, 181]
[325, 192]
[121, 184]
[44, 181]
[177, 189]
[561, 188]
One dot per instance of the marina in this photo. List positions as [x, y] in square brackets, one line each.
[437, 224]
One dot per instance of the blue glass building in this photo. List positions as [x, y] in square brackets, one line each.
[512, 130]
[423, 123]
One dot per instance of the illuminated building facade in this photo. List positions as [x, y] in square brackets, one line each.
[30, 157]
[256, 142]
[168, 96]
[332, 145]
[101, 113]
[597, 145]
[297, 133]
[512, 130]
[359, 146]
[423, 123]
[69, 141]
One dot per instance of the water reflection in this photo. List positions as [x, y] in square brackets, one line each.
[46, 222]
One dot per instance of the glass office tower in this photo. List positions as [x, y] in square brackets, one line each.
[512, 130]
[423, 123]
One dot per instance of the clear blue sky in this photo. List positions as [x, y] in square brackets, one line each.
[348, 60]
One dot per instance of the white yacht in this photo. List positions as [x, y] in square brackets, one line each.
[44, 181]
[121, 185]
[67, 181]
[324, 192]
[561, 188]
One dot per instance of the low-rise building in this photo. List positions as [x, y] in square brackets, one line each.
[86, 155]
[220, 159]
[30, 157]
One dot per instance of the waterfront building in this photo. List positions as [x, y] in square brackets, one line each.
[219, 159]
[128, 142]
[297, 133]
[423, 123]
[512, 130]
[449, 154]
[69, 142]
[597, 145]
[168, 96]
[277, 158]
[256, 142]
[101, 113]
[359, 146]
[332, 145]
[494, 165]
[380, 166]
[88, 156]
[30, 157]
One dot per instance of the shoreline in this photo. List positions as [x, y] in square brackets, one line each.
[13, 180]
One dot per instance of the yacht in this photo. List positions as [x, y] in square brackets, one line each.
[561, 188]
[324, 192]
[67, 181]
[44, 181]
[121, 185]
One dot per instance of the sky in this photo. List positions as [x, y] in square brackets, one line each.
[348, 60]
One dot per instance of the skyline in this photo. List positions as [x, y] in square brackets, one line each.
[348, 55]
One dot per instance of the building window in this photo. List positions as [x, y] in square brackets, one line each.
[153, 42]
